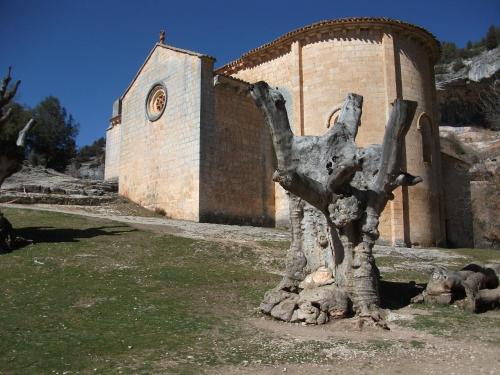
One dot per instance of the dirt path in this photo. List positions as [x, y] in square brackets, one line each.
[351, 350]
[215, 232]
[259, 238]
[182, 228]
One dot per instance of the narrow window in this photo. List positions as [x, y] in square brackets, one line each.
[425, 127]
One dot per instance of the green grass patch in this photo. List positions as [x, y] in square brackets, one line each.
[378, 345]
[454, 322]
[406, 276]
[97, 294]
[399, 274]
[480, 256]
[417, 344]
[279, 245]
[387, 261]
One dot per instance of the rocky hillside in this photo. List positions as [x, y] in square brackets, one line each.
[92, 169]
[41, 185]
[469, 90]
[475, 69]
[471, 177]
[89, 161]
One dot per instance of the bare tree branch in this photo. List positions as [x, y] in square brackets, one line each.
[489, 104]
[273, 106]
[5, 116]
[349, 116]
[6, 96]
[398, 125]
[22, 134]
[5, 82]
[287, 175]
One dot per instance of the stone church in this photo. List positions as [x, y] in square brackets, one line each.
[186, 139]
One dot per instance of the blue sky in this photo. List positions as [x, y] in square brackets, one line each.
[86, 52]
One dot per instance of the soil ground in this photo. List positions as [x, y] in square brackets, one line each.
[234, 338]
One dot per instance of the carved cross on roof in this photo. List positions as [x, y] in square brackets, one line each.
[162, 36]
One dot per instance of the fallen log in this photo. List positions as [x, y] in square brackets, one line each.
[475, 288]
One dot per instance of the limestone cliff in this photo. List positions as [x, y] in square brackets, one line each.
[92, 169]
[469, 90]
[469, 102]
[35, 184]
[475, 69]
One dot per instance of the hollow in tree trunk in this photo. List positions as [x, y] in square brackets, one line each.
[337, 193]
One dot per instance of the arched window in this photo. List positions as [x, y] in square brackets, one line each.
[333, 116]
[424, 124]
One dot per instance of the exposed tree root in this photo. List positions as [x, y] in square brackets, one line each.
[314, 304]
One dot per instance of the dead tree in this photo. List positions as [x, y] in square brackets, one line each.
[338, 191]
[11, 152]
[488, 101]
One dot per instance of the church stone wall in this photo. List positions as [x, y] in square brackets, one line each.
[279, 72]
[159, 161]
[112, 163]
[333, 68]
[237, 161]
[423, 214]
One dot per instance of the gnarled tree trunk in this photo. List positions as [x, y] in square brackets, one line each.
[337, 193]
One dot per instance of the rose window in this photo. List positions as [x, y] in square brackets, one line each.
[156, 102]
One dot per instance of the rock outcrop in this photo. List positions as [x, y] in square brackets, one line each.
[477, 68]
[40, 185]
[92, 169]
[468, 93]
[468, 90]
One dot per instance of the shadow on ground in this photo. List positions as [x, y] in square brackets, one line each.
[396, 295]
[55, 235]
[44, 234]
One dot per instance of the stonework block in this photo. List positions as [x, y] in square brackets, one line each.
[112, 162]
